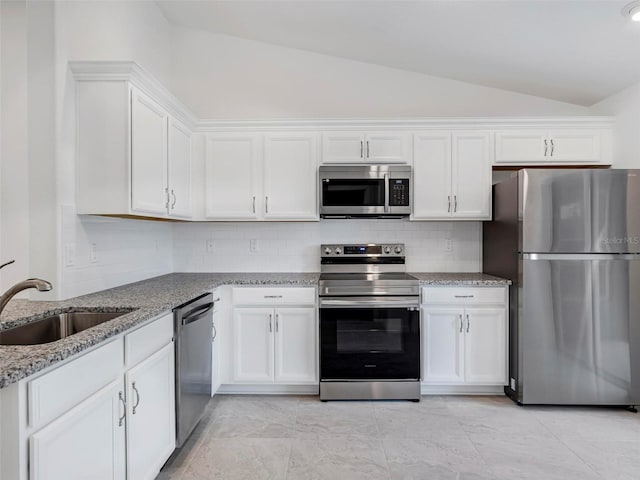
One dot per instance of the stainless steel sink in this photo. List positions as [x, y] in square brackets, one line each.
[54, 328]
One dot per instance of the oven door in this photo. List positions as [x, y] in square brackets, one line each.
[369, 338]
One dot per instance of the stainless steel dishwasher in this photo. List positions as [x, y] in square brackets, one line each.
[193, 334]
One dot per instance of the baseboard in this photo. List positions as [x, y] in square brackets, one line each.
[230, 389]
[462, 389]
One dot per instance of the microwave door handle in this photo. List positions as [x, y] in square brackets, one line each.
[386, 193]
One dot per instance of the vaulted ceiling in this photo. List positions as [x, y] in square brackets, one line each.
[578, 51]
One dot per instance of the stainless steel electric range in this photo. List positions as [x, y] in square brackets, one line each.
[369, 324]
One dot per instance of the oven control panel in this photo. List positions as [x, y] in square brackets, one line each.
[369, 249]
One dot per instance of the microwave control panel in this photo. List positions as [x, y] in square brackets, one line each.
[398, 192]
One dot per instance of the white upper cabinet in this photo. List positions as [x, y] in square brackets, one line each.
[290, 176]
[261, 177]
[452, 176]
[231, 176]
[361, 147]
[148, 154]
[553, 146]
[132, 156]
[179, 170]
[471, 175]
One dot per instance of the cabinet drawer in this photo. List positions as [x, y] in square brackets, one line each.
[274, 296]
[463, 295]
[61, 389]
[147, 340]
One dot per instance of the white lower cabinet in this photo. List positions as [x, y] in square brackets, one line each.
[119, 425]
[150, 414]
[464, 344]
[86, 442]
[275, 345]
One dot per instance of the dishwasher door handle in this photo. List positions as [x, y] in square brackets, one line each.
[197, 314]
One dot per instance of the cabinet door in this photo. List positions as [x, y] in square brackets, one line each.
[290, 180]
[216, 379]
[574, 146]
[253, 345]
[231, 174]
[296, 341]
[443, 345]
[151, 429]
[486, 346]
[521, 146]
[148, 155]
[179, 170]
[341, 147]
[432, 176]
[471, 176]
[86, 442]
[388, 147]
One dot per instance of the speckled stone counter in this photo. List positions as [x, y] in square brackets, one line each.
[454, 279]
[148, 298]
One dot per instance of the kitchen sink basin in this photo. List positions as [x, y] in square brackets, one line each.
[56, 327]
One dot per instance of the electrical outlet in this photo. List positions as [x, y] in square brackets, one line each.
[448, 245]
[253, 245]
[69, 255]
[211, 246]
[93, 253]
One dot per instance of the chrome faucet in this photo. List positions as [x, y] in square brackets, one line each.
[41, 285]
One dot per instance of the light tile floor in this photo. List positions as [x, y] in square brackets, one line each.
[462, 438]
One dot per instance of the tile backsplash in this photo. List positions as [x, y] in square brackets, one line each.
[104, 252]
[289, 246]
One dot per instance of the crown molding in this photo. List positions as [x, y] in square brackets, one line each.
[128, 71]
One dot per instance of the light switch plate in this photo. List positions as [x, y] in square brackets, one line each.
[93, 253]
[253, 245]
[211, 246]
[69, 255]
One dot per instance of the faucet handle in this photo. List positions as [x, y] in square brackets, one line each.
[7, 263]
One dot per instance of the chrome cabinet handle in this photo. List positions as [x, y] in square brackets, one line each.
[124, 409]
[273, 296]
[461, 322]
[216, 300]
[361, 148]
[166, 204]
[133, 386]
[449, 201]
[254, 204]
[545, 147]
[367, 148]
[266, 204]
[455, 203]
[215, 333]
[270, 326]
[468, 323]
[175, 199]
[277, 328]
[552, 147]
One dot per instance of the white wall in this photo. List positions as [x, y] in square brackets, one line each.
[224, 77]
[625, 106]
[14, 166]
[295, 247]
[127, 250]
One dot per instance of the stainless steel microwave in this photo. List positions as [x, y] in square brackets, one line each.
[378, 191]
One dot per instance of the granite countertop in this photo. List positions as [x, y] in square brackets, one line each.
[148, 297]
[465, 279]
[144, 300]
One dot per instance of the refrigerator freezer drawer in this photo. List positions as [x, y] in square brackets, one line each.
[579, 330]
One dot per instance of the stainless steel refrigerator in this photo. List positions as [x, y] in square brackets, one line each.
[569, 239]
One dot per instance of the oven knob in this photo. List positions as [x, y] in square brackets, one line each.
[398, 249]
[338, 251]
[387, 250]
[327, 251]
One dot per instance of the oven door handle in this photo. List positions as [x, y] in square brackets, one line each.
[399, 302]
